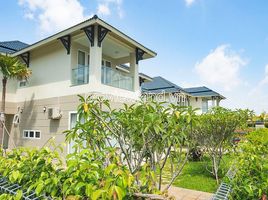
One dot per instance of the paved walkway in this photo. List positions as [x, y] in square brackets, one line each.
[186, 194]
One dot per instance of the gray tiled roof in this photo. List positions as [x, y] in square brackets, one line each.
[11, 46]
[159, 85]
[202, 92]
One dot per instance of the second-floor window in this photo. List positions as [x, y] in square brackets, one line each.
[80, 73]
[22, 83]
[81, 58]
[106, 63]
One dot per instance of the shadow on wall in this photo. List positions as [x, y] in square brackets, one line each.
[8, 129]
[27, 119]
[54, 126]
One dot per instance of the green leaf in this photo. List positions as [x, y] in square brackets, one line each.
[89, 190]
[19, 195]
[39, 188]
[97, 194]
[79, 186]
[120, 193]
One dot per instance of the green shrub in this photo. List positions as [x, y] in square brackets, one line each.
[87, 174]
[250, 181]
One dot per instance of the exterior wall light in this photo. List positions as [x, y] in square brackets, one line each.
[44, 109]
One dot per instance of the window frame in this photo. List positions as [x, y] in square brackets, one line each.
[28, 131]
[25, 83]
[87, 57]
[105, 61]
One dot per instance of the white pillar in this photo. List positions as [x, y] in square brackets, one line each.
[213, 102]
[134, 71]
[95, 61]
[218, 102]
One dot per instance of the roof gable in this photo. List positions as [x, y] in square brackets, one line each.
[78, 28]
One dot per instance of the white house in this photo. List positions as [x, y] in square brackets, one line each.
[84, 59]
[197, 97]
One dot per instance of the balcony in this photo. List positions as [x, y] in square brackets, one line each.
[116, 78]
[80, 75]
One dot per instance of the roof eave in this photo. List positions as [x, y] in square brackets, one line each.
[81, 25]
[56, 36]
[208, 96]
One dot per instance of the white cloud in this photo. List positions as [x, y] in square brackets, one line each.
[106, 7]
[221, 68]
[189, 2]
[55, 15]
[265, 79]
[103, 9]
[52, 15]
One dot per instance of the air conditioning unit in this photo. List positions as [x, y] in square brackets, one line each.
[54, 113]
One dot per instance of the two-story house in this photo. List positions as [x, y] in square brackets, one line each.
[92, 57]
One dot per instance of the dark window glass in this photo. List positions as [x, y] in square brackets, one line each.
[37, 134]
[26, 134]
[31, 134]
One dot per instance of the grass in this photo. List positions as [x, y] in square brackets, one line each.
[195, 176]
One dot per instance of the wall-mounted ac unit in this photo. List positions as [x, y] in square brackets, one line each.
[54, 113]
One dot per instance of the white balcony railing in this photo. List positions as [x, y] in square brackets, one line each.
[80, 75]
[115, 78]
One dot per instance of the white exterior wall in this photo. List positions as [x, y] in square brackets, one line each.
[196, 103]
[51, 76]
[10, 90]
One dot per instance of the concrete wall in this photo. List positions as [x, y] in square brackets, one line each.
[196, 102]
[33, 117]
[51, 76]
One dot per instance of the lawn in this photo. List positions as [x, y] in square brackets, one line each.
[195, 176]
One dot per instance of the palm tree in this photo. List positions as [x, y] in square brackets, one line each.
[11, 68]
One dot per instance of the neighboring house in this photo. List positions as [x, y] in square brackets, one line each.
[166, 91]
[92, 57]
[9, 47]
[203, 98]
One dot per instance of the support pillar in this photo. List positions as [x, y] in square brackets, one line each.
[218, 102]
[213, 102]
[95, 60]
[134, 71]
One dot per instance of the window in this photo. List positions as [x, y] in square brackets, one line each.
[106, 63]
[37, 134]
[204, 105]
[32, 134]
[22, 83]
[81, 58]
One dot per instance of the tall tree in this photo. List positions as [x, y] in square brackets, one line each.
[11, 68]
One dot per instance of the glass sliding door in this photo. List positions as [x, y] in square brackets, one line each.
[72, 122]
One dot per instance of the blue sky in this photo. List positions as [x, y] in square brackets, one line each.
[221, 44]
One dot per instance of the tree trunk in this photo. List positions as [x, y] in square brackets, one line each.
[3, 106]
[215, 169]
